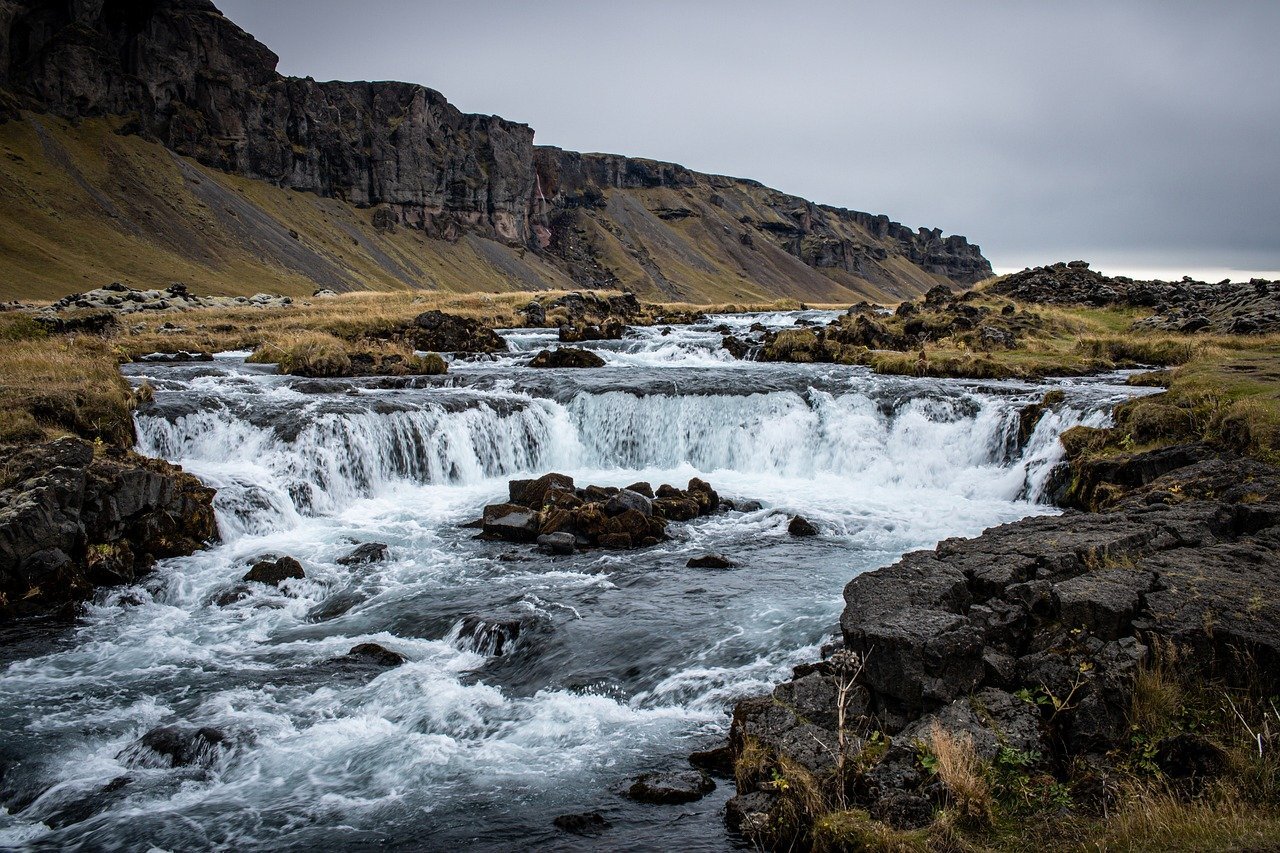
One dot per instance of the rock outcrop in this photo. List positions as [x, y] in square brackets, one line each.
[1182, 306]
[1026, 641]
[560, 517]
[72, 520]
[180, 73]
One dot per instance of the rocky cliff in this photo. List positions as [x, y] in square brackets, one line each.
[179, 73]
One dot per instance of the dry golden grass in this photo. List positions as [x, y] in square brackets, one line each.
[1156, 821]
[964, 776]
[52, 386]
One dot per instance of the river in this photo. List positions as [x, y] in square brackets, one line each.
[612, 663]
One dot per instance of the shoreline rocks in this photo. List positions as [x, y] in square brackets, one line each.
[72, 519]
[1186, 306]
[1028, 638]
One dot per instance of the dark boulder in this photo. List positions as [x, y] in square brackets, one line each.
[72, 519]
[368, 552]
[710, 561]
[174, 746]
[435, 331]
[566, 357]
[274, 572]
[558, 543]
[672, 787]
[587, 824]
[800, 526]
[375, 654]
[533, 493]
[510, 522]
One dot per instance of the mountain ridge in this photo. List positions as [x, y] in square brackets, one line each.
[178, 73]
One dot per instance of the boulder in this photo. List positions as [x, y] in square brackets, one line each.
[72, 519]
[710, 561]
[626, 500]
[510, 522]
[671, 787]
[436, 331]
[566, 357]
[274, 572]
[532, 493]
[174, 746]
[558, 543]
[375, 654]
[587, 824]
[800, 526]
[368, 552]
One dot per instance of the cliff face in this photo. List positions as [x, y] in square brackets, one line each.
[183, 75]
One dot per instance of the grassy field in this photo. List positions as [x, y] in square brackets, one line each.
[1222, 389]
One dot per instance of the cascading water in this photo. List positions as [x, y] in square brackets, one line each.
[534, 686]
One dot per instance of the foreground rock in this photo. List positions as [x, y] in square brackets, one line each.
[175, 746]
[560, 517]
[1028, 638]
[1182, 306]
[71, 521]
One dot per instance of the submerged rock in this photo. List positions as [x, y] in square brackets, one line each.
[587, 824]
[376, 654]
[174, 746]
[368, 552]
[671, 787]
[710, 561]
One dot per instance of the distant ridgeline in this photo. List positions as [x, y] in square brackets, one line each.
[399, 188]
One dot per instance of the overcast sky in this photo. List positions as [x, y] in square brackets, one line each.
[1139, 135]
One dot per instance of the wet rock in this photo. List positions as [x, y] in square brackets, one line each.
[177, 357]
[491, 636]
[510, 522]
[676, 509]
[436, 331]
[274, 572]
[368, 552]
[642, 489]
[800, 526]
[566, 357]
[710, 561]
[744, 811]
[704, 496]
[558, 543]
[72, 519]
[587, 824]
[616, 541]
[532, 493]
[174, 746]
[375, 654]
[671, 787]
[718, 761]
[626, 500]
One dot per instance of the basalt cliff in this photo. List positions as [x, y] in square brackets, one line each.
[154, 140]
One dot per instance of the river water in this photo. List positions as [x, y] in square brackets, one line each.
[624, 661]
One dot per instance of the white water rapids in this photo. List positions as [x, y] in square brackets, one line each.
[611, 664]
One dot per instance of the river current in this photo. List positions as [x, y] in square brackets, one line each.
[624, 662]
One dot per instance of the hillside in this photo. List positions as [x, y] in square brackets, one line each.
[150, 142]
